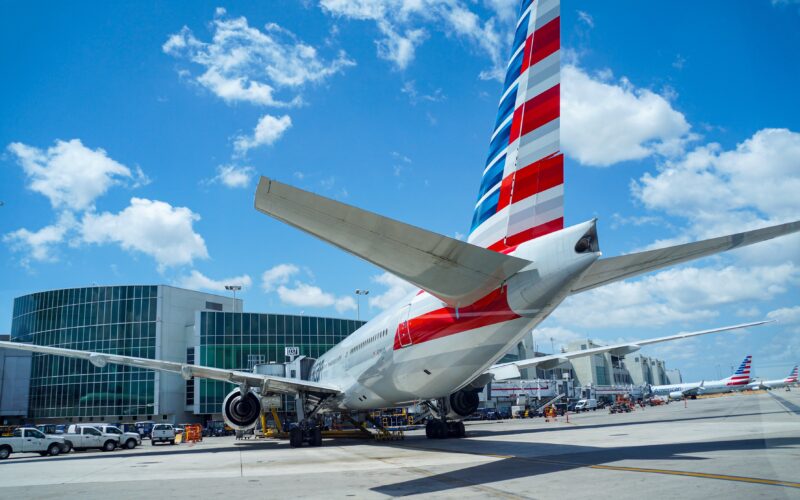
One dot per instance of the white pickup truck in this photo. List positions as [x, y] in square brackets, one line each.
[129, 440]
[82, 436]
[162, 433]
[29, 440]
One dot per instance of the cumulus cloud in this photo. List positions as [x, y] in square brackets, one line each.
[606, 121]
[560, 337]
[278, 275]
[305, 295]
[785, 315]
[71, 175]
[196, 280]
[675, 295]
[297, 293]
[268, 130]
[395, 290]
[234, 176]
[152, 227]
[40, 245]
[403, 26]
[721, 191]
[245, 64]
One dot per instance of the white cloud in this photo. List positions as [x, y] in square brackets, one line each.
[40, 245]
[152, 227]
[723, 192]
[586, 18]
[301, 294]
[278, 275]
[245, 64]
[414, 96]
[402, 26]
[233, 176]
[605, 122]
[71, 175]
[268, 130]
[305, 295]
[785, 315]
[560, 337]
[396, 290]
[675, 295]
[198, 281]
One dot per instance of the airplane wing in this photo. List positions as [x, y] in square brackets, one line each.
[267, 383]
[511, 369]
[605, 271]
[456, 272]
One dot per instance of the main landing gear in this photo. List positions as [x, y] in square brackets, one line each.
[308, 431]
[439, 427]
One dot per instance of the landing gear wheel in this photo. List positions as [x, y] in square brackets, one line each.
[295, 437]
[440, 431]
[429, 429]
[316, 437]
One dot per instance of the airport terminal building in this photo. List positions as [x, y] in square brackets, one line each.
[151, 321]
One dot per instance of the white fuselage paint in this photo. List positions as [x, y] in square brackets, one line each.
[711, 387]
[373, 374]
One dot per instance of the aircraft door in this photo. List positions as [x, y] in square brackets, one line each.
[403, 329]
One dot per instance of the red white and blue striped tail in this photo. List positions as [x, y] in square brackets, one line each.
[742, 375]
[522, 192]
[792, 376]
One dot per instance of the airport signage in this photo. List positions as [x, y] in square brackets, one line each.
[291, 351]
[269, 402]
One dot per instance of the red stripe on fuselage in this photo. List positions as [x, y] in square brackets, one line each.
[489, 310]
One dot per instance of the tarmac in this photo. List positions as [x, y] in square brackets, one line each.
[739, 446]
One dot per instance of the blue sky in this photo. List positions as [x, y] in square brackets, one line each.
[132, 137]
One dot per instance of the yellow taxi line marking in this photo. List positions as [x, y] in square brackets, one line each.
[724, 477]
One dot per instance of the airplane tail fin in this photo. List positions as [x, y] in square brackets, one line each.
[792, 376]
[521, 195]
[742, 374]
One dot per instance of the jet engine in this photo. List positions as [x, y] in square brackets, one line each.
[241, 412]
[462, 404]
[676, 395]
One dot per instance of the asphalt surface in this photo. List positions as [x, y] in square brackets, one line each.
[739, 446]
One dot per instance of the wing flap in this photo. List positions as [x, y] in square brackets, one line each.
[267, 383]
[605, 271]
[456, 272]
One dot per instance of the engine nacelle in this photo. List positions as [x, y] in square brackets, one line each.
[676, 395]
[462, 404]
[241, 413]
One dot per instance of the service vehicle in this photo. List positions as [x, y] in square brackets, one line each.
[129, 440]
[30, 440]
[162, 433]
[144, 428]
[80, 437]
[586, 405]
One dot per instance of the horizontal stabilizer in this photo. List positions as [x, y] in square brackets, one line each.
[267, 383]
[508, 370]
[456, 272]
[605, 271]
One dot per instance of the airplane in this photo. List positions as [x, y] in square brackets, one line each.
[476, 298]
[736, 382]
[776, 384]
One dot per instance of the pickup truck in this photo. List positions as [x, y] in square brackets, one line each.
[162, 433]
[129, 440]
[30, 440]
[82, 436]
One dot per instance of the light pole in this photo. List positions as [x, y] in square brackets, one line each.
[359, 293]
[552, 345]
[234, 289]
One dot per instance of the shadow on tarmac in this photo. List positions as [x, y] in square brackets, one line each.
[527, 462]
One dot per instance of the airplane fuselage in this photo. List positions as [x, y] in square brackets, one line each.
[422, 349]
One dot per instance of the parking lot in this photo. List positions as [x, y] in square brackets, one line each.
[740, 445]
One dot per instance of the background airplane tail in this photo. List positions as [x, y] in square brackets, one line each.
[742, 375]
[792, 376]
[521, 196]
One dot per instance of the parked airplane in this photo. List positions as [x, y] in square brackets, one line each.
[476, 299]
[736, 382]
[776, 384]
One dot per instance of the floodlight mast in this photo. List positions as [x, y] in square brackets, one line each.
[234, 289]
[359, 293]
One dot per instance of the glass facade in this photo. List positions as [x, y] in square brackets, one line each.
[239, 340]
[110, 319]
